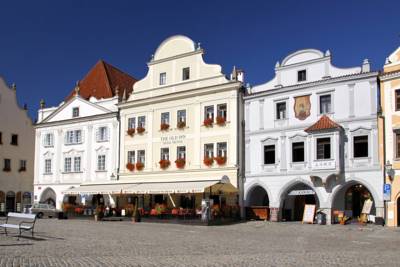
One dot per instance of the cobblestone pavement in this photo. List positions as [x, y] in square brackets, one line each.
[89, 243]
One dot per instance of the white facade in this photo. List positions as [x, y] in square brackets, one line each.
[349, 98]
[76, 142]
[16, 152]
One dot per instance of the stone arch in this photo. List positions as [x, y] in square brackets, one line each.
[250, 189]
[284, 190]
[48, 196]
[257, 195]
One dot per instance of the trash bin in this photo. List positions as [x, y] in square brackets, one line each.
[321, 218]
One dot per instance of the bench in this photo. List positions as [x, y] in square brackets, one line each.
[21, 221]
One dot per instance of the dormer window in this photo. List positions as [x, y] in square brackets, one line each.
[301, 75]
[163, 78]
[185, 74]
[75, 112]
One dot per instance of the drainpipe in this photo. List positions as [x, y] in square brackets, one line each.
[382, 117]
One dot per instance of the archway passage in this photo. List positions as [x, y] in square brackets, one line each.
[295, 199]
[48, 197]
[258, 204]
[350, 200]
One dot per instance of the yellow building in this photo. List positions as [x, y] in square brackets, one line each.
[389, 126]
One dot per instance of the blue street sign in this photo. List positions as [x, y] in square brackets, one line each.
[386, 192]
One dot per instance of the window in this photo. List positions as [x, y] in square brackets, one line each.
[181, 115]
[164, 153]
[281, 110]
[360, 145]
[73, 137]
[301, 75]
[181, 152]
[165, 118]
[131, 157]
[325, 104]
[397, 99]
[22, 165]
[269, 154]
[102, 134]
[141, 156]
[75, 112]
[7, 165]
[101, 162]
[397, 144]
[67, 164]
[163, 78]
[131, 123]
[209, 112]
[221, 110]
[209, 150]
[185, 74]
[323, 148]
[221, 149]
[77, 164]
[1, 138]
[142, 121]
[298, 152]
[48, 140]
[47, 166]
[14, 139]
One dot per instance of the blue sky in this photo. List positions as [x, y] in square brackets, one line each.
[45, 46]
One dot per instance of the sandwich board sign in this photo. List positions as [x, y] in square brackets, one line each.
[309, 213]
[367, 206]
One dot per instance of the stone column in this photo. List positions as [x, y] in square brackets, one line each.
[274, 214]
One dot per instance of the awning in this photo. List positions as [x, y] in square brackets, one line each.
[181, 187]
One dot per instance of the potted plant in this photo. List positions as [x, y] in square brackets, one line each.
[208, 122]
[164, 126]
[220, 120]
[220, 160]
[139, 166]
[181, 124]
[208, 161]
[140, 129]
[180, 163]
[164, 163]
[130, 166]
[131, 131]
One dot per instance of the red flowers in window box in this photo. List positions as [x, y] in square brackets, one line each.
[220, 120]
[6, 169]
[130, 166]
[139, 166]
[180, 163]
[208, 122]
[164, 126]
[208, 161]
[164, 163]
[181, 124]
[220, 160]
[140, 129]
[131, 131]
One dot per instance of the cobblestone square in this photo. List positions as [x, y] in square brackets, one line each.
[89, 243]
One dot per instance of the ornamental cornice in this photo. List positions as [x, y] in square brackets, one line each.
[76, 120]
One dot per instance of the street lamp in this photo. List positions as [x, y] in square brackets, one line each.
[389, 171]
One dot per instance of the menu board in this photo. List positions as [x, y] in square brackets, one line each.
[367, 206]
[308, 215]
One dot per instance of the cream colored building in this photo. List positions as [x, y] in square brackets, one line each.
[181, 94]
[16, 152]
[389, 128]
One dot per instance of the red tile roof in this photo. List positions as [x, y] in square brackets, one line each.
[324, 123]
[102, 81]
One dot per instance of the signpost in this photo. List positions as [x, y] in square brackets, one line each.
[309, 213]
[387, 192]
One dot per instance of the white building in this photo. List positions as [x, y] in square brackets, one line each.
[311, 138]
[16, 152]
[77, 142]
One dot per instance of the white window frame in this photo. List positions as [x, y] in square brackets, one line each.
[48, 140]
[48, 168]
[181, 114]
[224, 151]
[163, 78]
[67, 165]
[183, 74]
[209, 114]
[141, 157]
[131, 156]
[102, 134]
[141, 121]
[181, 152]
[164, 153]
[165, 118]
[132, 123]
[101, 162]
[77, 164]
[316, 147]
[209, 153]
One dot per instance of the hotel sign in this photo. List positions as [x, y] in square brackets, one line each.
[301, 192]
[173, 139]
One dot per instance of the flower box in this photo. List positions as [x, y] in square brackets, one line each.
[220, 120]
[208, 161]
[208, 122]
[220, 160]
[131, 131]
[140, 129]
[139, 166]
[164, 126]
[181, 124]
[22, 169]
[180, 163]
[164, 163]
[6, 170]
[130, 166]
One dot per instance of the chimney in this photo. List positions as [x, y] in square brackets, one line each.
[366, 67]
